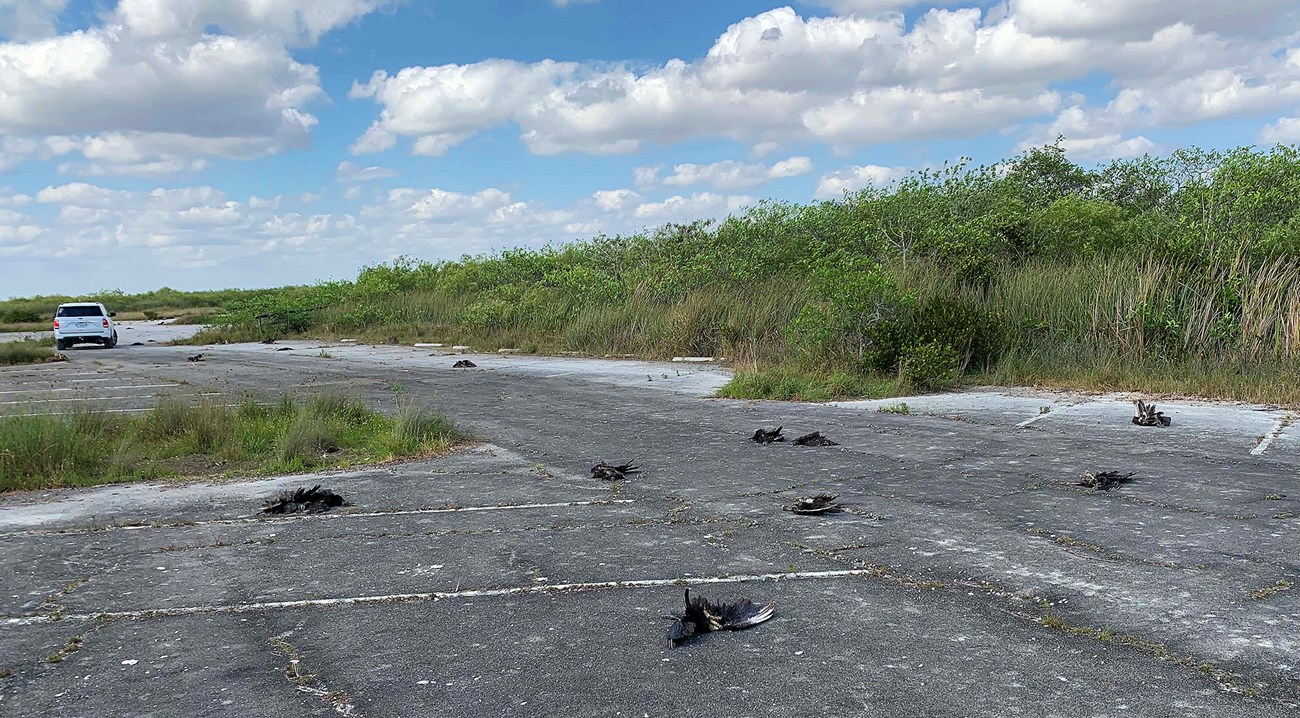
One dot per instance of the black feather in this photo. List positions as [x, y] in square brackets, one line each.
[819, 504]
[303, 501]
[765, 436]
[608, 472]
[702, 616]
[1104, 480]
[1145, 414]
[814, 439]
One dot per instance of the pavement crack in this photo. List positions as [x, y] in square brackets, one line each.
[75, 641]
[1094, 552]
[1262, 593]
[1139, 501]
[311, 683]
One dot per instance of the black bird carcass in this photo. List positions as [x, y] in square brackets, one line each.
[1104, 480]
[196, 357]
[1145, 414]
[303, 501]
[702, 616]
[767, 436]
[608, 472]
[819, 504]
[814, 439]
[464, 364]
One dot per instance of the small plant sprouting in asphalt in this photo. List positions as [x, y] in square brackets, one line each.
[899, 408]
[1263, 593]
[1044, 410]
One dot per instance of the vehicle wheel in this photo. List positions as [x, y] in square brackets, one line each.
[60, 345]
[109, 344]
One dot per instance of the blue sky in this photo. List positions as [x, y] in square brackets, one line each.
[213, 143]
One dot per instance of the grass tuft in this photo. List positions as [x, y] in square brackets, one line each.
[29, 351]
[794, 384]
[175, 439]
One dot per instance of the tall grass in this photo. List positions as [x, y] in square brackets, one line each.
[88, 447]
[1179, 271]
[28, 351]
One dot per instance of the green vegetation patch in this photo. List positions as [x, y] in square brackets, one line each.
[1176, 274]
[794, 384]
[177, 439]
[29, 351]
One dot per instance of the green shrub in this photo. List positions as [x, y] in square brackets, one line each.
[932, 365]
[488, 314]
[972, 332]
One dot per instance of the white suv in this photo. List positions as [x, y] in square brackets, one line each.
[79, 322]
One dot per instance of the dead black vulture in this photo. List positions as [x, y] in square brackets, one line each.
[702, 616]
[819, 504]
[814, 439]
[285, 349]
[607, 472]
[303, 501]
[1104, 480]
[765, 436]
[464, 364]
[196, 357]
[1145, 414]
[268, 341]
[137, 344]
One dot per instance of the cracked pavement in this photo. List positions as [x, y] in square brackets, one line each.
[967, 577]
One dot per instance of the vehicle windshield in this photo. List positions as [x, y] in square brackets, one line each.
[79, 312]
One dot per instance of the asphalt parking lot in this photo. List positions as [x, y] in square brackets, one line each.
[969, 576]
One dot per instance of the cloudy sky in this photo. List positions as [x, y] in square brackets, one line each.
[214, 143]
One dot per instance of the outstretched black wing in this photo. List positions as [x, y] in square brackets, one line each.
[1104, 480]
[702, 616]
[814, 439]
[819, 504]
[743, 613]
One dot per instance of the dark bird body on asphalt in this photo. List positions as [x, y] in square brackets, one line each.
[1104, 480]
[819, 504]
[766, 436]
[702, 616]
[196, 357]
[1145, 414]
[814, 439]
[464, 364]
[607, 472]
[303, 501]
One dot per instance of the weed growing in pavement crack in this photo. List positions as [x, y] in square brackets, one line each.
[1263, 593]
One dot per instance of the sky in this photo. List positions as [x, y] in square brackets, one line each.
[204, 144]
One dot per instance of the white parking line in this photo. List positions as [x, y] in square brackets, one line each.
[96, 398]
[1268, 439]
[104, 388]
[559, 588]
[310, 517]
[101, 411]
